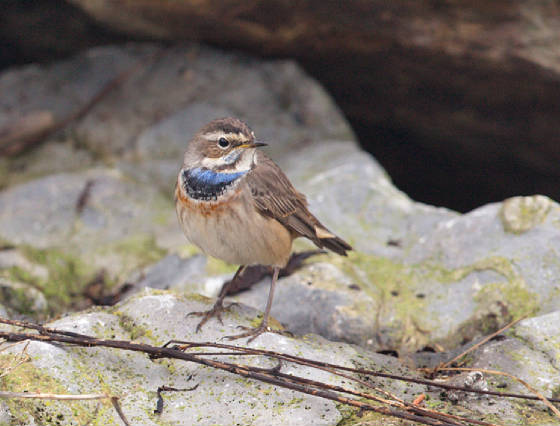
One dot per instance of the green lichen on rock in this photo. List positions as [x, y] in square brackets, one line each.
[272, 322]
[513, 294]
[497, 302]
[402, 310]
[501, 301]
[136, 251]
[520, 214]
[384, 280]
[355, 417]
[196, 297]
[134, 329]
[188, 250]
[513, 290]
[531, 416]
[27, 378]
[439, 273]
[66, 279]
[382, 277]
[22, 298]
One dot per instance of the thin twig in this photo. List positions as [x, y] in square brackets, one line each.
[272, 376]
[309, 362]
[6, 347]
[539, 395]
[232, 368]
[18, 360]
[62, 397]
[42, 329]
[394, 400]
[482, 342]
[159, 403]
[118, 409]
[398, 402]
[291, 358]
[66, 397]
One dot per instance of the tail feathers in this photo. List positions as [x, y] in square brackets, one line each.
[328, 240]
[336, 244]
[308, 226]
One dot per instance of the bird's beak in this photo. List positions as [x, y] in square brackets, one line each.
[252, 145]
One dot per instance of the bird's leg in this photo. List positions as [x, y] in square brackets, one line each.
[252, 333]
[218, 307]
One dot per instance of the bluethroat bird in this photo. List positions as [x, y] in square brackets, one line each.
[236, 204]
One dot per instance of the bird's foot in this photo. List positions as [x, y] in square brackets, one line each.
[216, 311]
[251, 332]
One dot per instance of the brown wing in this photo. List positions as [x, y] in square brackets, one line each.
[275, 196]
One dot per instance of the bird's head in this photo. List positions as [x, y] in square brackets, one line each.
[224, 144]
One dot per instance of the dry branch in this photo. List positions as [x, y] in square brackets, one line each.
[66, 397]
[60, 397]
[477, 345]
[313, 363]
[539, 395]
[391, 405]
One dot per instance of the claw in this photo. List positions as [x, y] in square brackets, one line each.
[216, 311]
[250, 332]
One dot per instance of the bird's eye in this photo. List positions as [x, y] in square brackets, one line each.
[223, 143]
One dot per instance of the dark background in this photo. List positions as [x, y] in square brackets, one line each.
[459, 100]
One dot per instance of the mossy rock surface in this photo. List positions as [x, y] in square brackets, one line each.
[154, 317]
[96, 200]
[221, 398]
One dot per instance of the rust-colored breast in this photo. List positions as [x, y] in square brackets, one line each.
[206, 208]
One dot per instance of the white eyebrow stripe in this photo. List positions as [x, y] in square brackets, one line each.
[214, 136]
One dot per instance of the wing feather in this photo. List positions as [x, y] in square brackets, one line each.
[275, 197]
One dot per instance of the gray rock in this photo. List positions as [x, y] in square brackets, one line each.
[58, 155]
[4, 312]
[154, 317]
[5, 416]
[13, 258]
[500, 274]
[541, 334]
[283, 103]
[221, 398]
[427, 275]
[172, 272]
[322, 300]
[435, 276]
[22, 298]
[98, 215]
[531, 353]
[419, 275]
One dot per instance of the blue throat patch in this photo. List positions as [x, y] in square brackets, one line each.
[204, 184]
